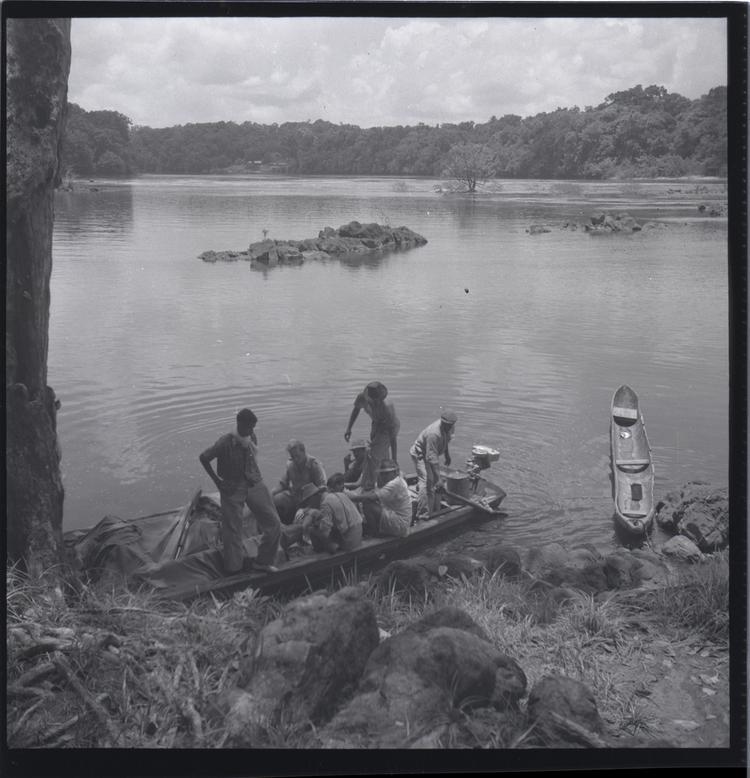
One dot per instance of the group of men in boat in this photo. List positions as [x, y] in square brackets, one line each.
[371, 498]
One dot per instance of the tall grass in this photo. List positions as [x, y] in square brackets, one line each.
[140, 672]
[699, 602]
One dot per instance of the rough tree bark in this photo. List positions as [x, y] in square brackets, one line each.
[38, 62]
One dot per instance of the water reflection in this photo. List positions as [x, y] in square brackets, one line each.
[101, 211]
[152, 350]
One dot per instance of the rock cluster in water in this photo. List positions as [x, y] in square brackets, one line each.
[352, 238]
[601, 224]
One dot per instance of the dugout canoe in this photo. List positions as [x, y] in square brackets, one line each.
[189, 569]
[632, 464]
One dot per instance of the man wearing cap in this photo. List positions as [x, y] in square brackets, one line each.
[383, 431]
[240, 483]
[387, 508]
[429, 445]
[354, 463]
[300, 469]
[330, 518]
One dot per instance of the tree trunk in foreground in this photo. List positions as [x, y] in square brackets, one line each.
[38, 62]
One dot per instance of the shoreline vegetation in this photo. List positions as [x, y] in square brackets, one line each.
[636, 133]
[91, 668]
[554, 647]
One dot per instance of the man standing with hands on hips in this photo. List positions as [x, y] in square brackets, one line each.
[429, 445]
[240, 483]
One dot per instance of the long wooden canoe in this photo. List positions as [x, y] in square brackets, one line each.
[632, 465]
[302, 571]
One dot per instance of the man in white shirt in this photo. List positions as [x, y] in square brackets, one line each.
[387, 508]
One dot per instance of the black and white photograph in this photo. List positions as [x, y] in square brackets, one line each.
[375, 380]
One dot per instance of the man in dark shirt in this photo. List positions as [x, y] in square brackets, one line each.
[239, 482]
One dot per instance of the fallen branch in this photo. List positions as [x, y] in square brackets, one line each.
[44, 646]
[196, 674]
[588, 738]
[192, 715]
[56, 732]
[35, 674]
[21, 721]
[101, 714]
[27, 691]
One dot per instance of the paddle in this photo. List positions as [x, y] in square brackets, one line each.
[172, 552]
[478, 505]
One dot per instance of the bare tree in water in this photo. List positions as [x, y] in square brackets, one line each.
[469, 164]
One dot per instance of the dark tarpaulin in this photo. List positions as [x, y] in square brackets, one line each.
[140, 551]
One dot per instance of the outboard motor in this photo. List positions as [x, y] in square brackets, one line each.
[481, 458]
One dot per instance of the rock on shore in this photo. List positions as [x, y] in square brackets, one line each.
[698, 512]
[352, 238]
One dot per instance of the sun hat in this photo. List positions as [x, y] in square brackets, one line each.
[448, 417]
[359, 443]
[308, 491]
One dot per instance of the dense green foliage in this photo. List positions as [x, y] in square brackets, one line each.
[635, 133]
[96, 143]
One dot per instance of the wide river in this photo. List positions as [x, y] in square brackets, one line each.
[526, 337]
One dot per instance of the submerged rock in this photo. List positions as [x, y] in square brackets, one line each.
[606, 223]
[352, 238]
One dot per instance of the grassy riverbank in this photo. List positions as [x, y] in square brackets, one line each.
[95, 668]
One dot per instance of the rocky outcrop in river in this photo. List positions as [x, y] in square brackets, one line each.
[602, 223]
[352, 238]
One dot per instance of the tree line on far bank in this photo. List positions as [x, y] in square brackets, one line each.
[639, 132]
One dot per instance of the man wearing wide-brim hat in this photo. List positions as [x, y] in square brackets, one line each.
[383, 431]
[329, 518]
[354, 462]
[429, 445]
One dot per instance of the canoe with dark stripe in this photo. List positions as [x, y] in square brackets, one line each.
[632, 465]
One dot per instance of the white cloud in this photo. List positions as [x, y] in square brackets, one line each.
[381, 71]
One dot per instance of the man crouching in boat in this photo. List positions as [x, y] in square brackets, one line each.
[239, 482]
[429, 445]
[387, 508]
[300, 469]
[329, 518]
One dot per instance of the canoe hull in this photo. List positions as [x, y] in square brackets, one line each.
[632, 465]
[197, 573]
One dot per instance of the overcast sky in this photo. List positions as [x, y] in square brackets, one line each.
[161, 71]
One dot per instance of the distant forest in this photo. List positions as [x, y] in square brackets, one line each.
[635, 133]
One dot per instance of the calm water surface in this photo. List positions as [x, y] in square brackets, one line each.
[152, 351]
